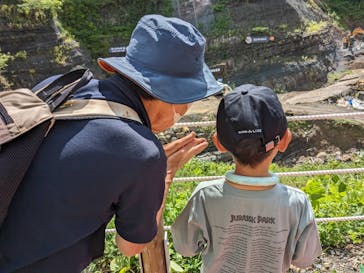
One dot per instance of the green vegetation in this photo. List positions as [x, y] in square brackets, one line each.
[260, 30]
[112, 261]
[347, 13]
[60, 54]
[98, 33]
[4, 59]
[283, 27]
[105, 23]
[29, 13]
[220, 26]
[334, 76]
[40, 8]
[331, 196]
[62, 51]
[109, 23]
[219, 5]
[21, 55]
[315, 27]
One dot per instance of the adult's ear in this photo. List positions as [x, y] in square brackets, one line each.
[285, 140]
[218, 144]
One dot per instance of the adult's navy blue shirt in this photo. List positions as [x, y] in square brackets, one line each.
[85, 172]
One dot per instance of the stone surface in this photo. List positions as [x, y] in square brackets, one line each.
[44, 51]
[296, 60]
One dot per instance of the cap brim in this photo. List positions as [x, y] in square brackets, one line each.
[167, 88]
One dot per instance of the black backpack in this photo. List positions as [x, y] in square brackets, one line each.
[26, 117]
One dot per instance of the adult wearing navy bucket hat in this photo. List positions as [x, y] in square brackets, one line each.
[88, 171]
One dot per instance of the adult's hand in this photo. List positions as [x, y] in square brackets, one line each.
[180, 151]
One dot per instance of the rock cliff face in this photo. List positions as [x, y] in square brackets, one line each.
[297, 62]
[247, 14]
[297, 59]
[36, 48]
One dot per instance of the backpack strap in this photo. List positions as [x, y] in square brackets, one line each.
[57, 91]
[94, 108]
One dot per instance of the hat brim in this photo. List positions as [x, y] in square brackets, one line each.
[168, 88]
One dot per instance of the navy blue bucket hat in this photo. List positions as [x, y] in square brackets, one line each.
[165, 57]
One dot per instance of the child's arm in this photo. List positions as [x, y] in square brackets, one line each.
[189, 229]
[308, 245]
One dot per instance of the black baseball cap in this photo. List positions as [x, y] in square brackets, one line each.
[250, 111]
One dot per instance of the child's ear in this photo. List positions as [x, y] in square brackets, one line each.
[286, 139]
[217, 143]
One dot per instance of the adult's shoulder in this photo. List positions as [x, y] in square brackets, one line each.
[108, 143]
[134, 140]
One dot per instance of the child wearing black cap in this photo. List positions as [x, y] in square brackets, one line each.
[249, 222]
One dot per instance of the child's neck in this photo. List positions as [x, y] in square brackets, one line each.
[260, 170]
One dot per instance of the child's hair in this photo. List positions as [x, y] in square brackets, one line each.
[248, 152]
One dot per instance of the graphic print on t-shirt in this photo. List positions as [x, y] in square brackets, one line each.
[251, 242]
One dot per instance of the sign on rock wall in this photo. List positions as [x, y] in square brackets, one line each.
[258, 39]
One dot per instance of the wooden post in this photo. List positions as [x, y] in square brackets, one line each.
[154, 258]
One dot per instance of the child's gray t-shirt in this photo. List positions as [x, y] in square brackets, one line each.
[247, 231]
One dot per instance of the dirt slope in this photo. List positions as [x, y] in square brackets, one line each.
[318, 101]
